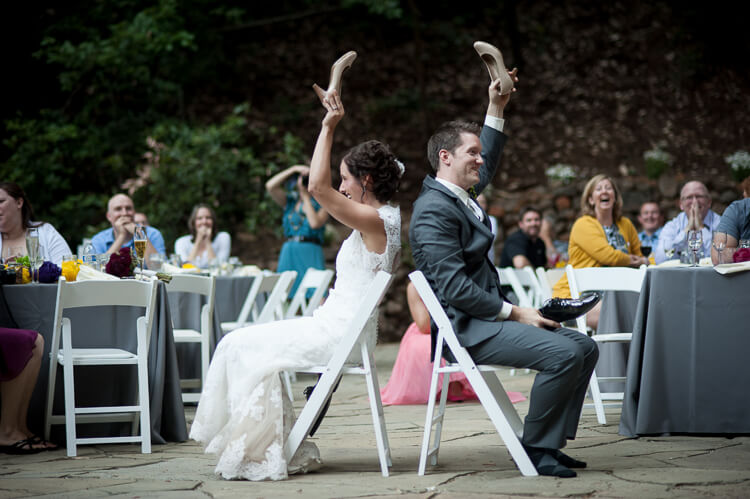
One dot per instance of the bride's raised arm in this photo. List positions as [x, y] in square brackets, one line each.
[354, 204]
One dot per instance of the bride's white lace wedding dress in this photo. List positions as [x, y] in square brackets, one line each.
[244, 415]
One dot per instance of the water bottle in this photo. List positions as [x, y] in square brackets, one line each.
[89, 256]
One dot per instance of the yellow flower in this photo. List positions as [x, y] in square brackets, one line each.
[70, 270]
[25, 275]
[188, 266]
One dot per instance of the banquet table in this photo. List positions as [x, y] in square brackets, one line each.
[688, 370]
[617, 316]
[33, 307]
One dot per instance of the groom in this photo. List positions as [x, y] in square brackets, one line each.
[450, 236]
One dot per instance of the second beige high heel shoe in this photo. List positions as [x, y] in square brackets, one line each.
[338, 68]
[493, 59]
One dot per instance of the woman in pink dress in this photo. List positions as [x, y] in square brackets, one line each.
[410, 378]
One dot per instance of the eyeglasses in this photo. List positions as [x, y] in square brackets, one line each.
[694, 197]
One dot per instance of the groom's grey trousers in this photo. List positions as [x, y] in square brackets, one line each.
[565, 360]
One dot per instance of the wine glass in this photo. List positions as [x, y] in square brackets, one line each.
[720, 243]
[695, 243]
[139, 244]
[646, 250]
[32, 249]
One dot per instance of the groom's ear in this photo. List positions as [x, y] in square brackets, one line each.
[444, 156]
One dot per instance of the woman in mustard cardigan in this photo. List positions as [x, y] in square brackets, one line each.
[601, 237]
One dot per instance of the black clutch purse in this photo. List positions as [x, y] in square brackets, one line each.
[567, 309]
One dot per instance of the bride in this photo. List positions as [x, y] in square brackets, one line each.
[244, 415]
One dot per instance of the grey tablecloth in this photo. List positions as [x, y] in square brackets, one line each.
[617, 316]
[688, 370]
[33, 307]
[186, 309]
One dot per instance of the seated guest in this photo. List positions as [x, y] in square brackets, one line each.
[197, 247]
[601, 237]
[524, 247]
[121, 214]
[21, 353]
[141, 219]
[733, 227]
[482, 201]
[410, 378]
[695, 203]
[16, 215]
[651, 220]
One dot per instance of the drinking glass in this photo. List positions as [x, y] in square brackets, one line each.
[646, 250]
[139, 244]
[720, 243]
[669, 252]
[695, 243]
[32, 249]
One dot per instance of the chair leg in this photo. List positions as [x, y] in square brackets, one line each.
[501, 396]
[376, 408]
[143, 400]
[597, 397]
[430, 441]
[50, 397]
[70, 409]
[288, 385]
[504, 427]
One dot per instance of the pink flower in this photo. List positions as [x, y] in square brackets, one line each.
[741, 255]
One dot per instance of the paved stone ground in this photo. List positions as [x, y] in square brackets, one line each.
[473, 461]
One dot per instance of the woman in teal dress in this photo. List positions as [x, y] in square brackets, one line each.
[304, 222]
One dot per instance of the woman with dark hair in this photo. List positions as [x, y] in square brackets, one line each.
[197, 247]
[16, 215]
[244, 415]
[601, 237]
[304, 222]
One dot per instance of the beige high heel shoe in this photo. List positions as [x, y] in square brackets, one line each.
[338, 68]
[493, 59]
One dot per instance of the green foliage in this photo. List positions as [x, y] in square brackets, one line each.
[657, 161]
[390, 9]
[222, 165]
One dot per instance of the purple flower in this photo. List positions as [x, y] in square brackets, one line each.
[48, 272]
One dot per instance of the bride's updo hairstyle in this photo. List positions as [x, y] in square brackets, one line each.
[375, 159]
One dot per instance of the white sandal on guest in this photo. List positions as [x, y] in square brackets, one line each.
[338, 68]
[493, 59]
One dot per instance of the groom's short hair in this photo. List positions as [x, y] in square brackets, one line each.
[448, 137]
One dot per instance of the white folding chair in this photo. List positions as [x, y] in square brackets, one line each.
[547, 278]
[316, 279]
[277, 286]
[338, 366]
[604, 279]
[483, 380]
[204, 286]
[95, 294]
[509, 277]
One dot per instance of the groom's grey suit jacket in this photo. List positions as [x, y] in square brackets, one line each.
[450, 244]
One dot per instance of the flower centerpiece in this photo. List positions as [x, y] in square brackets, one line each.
[561, 172]
[121, 264]
[741, 255]
[657, 161]
[739, 164]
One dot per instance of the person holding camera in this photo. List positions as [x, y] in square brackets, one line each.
[304, 222]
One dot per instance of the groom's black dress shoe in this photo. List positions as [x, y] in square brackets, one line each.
[568, 461]
[567, 309]
[546, 463]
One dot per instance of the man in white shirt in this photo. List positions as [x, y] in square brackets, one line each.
[695, 203]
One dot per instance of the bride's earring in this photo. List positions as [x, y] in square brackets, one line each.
[337, 70]
[493, 59]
